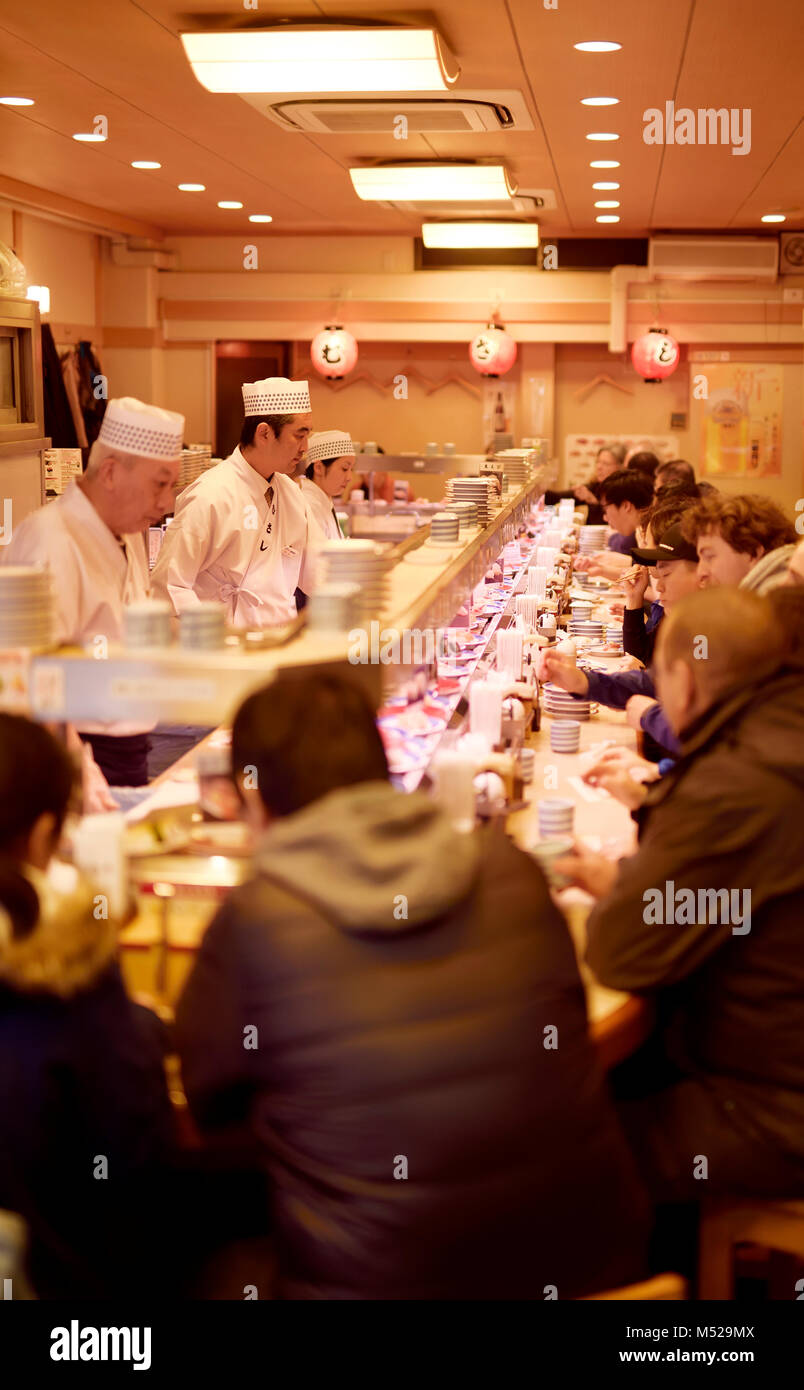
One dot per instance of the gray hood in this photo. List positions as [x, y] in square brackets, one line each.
[375, 859]
[769, 572]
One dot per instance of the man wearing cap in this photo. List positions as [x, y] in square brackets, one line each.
[240, 533]
[91, 538]
[330, 460]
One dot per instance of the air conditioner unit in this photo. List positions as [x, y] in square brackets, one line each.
[713, 258]
[475, 113]
[791, 259]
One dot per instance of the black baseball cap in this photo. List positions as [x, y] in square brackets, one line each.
[672, 546]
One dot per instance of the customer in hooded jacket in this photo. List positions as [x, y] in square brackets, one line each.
[705, 918]
[640, 631]
[85, 1120]
[745, 540]
[379, 1002]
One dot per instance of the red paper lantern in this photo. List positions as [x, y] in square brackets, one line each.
[333, 352]
[492, 352]
[655, 355]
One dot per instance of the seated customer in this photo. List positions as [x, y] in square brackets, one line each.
[379, 1000]
[644, 461]
[676, 570]
[745, 540]
[706, 916]
[608, 460]
[672, 473]
[639, 632]
[84, 1110]
[625, 496]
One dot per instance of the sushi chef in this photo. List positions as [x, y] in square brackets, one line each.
[330, 460]
[91, 538]
[241, 532]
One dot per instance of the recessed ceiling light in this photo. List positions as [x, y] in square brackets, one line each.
[597, 46]
[15, 101]
[230, 205]
[604, 187]
[604, 164]
[88, 138]
[145, 164]
[470, 236]
[600, 101]
[607, 203]
[773, 217]
[191, 187]
[435, 182]
[602, 135]
[608, 217]
[327, 59]
[260, 217]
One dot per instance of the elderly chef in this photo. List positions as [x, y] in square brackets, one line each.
[330, 460]
[91, 538]
[240, 533]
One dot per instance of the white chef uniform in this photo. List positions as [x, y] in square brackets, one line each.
[322, 510]
[227, 543]
[324, 444]
[94, 576]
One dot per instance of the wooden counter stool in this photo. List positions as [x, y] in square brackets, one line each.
[777, 1225]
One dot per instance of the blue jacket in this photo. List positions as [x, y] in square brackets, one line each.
[615, 688]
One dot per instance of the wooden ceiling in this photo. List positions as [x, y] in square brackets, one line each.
[123, 59]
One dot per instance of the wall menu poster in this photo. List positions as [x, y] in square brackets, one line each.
[580, 452]
[741, 422]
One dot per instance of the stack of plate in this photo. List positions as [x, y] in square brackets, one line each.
[516, 470]
[363, 563]
[614, 635]
[592, 538]
[588, 629]
[478, 490]
[444, 528]
[561, 705]
[581, 609]
[466, 513]
[585, 581]
[333, 608]
[203, 626]
[565, 736]
[26, 607]
[147, 623]
[195, 460]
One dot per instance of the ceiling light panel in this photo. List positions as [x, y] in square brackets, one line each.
[470, 236]
[432, 182]
[320, 59]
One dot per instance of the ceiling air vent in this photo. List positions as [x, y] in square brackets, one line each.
[713, 258]
[475, 113]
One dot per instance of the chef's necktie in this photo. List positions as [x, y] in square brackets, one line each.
[337, 523]
[269, 495]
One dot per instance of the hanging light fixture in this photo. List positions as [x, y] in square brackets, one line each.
[655, 355]
[492, 352]
[333, 352]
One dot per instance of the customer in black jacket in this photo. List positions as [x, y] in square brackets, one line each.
[85, 1118]
[706, 917]
[382, 1001]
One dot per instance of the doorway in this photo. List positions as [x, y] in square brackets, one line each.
[236, 362]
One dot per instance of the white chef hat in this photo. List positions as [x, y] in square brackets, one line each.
[276, 396]
[328, 444]
[136, 428]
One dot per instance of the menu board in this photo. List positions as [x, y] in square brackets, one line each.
[741, 420]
